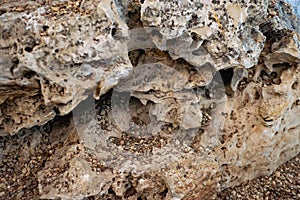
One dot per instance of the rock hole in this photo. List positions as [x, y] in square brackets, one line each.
[223, 139]
[195, 36]
[257, 95]
[295, 104]
[227, 75]
[29, 74]
[247, 167]
[113, 32]
[134, 16]
[239, 144]
[129, 192]
[139, 112]
[233, 115]
[242, 84]
[295, 85]
[2, 11]
[56, 110]
[165, 192]
[224, 149]
[111, 191]
[275, 78]
[15, 63]
[28, 49]
[45, 28]
[135, 55]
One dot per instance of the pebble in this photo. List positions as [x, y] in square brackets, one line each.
[282, 184]
[2, 186]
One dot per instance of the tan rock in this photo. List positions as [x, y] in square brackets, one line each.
[62, 52]
[212, 100]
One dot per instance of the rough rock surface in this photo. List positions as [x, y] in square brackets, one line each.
[224, 34]
[205, 94]
[60, 51]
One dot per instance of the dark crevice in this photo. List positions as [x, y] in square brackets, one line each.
[56, 110]
[2, 11]
[15, 63]
[134, 16]
[227, 75]
[164, 193]
[283, 66]
[111, 191]
[113, 32]
[29, 74]
[45, 28]
[130, 192]
[135, 55]
[28, 49]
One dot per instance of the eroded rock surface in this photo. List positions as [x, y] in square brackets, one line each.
[205, 94]
[224, 34]
[60, 51]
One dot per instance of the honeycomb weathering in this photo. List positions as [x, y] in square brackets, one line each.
[170, 99]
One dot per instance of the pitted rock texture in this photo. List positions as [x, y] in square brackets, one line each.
[62, 51]
[205, 94]
[222, 33]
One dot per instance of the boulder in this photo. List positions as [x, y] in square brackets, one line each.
[204, 94]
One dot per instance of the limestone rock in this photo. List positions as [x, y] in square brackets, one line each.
[62, 53]
[223, 33]
[208, 97]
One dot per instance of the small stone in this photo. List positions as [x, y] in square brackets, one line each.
[2, 186]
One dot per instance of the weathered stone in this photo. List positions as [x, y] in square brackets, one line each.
[212, 100]
[224, 34]
[63, 52]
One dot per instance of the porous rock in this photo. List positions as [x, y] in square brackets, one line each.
[212, 100]
[224, 34]
[61, 51]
